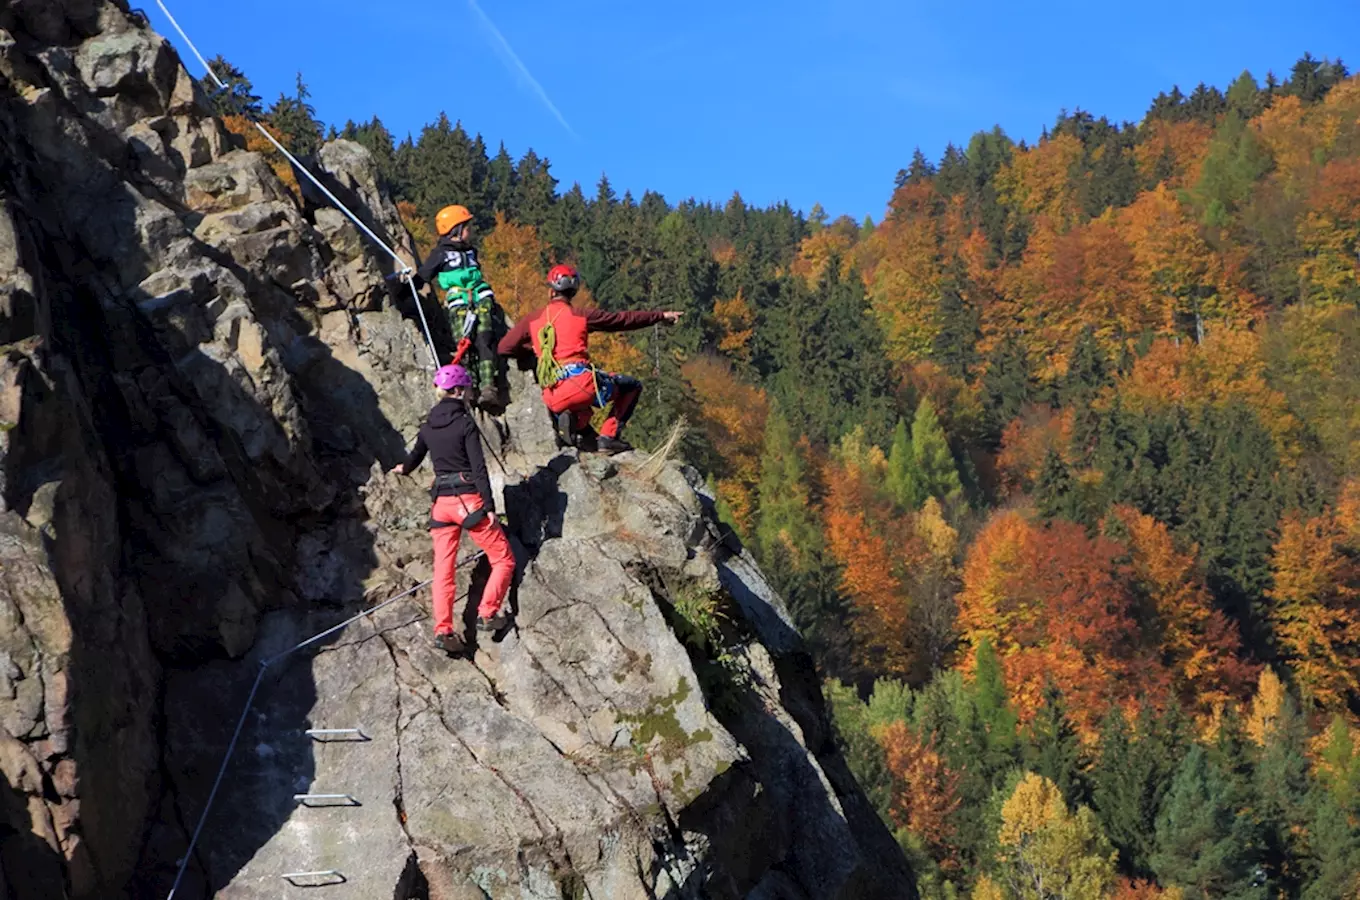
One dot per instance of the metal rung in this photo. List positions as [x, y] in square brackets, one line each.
[294, 877]
[356, 734]
[326, 799]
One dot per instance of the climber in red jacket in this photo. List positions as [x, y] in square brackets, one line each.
[462, 502]
[572, 387]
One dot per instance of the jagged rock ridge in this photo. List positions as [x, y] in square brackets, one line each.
[203, 379]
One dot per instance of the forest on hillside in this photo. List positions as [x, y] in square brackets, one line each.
[1058, 466]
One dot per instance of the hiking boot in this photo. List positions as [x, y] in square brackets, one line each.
[450, 643]
[564, 425]
[489, 398]
[587, 441]
[494, 624]
[613, 445]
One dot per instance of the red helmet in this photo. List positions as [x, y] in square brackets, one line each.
[564, 279]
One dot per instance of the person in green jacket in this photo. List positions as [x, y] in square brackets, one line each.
[452, 266]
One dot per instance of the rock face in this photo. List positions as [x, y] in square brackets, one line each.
[203, 380]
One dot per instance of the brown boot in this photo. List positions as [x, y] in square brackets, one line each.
[489, 397]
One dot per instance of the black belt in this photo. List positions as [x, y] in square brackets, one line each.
[452, 484]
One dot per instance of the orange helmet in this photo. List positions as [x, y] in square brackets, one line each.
[450, 217]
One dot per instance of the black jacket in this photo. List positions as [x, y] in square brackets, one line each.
[451, 438]
[447, 254]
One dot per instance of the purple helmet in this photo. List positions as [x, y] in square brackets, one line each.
[450, 377]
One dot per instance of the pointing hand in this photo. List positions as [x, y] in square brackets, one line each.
[672, 317]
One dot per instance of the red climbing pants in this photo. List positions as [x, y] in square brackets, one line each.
[585, 392]
[489, 537]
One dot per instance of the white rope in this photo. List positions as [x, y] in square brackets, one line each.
[250, 700]
[406, 269]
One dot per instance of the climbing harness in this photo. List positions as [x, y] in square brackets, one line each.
[406, 270]
[250, 702]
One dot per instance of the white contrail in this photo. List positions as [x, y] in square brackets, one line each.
[518, 66]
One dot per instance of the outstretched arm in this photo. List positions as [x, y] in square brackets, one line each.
[628, 320]
[516, 340]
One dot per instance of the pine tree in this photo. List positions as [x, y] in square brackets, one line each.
[1053, 748]
[955, 342]
[502, 184]
[1007, 383]
[535, 190]
[1131, 780]
[1281, 786]
[933, 472]
[791, 546]
[824, 357]
[919, 170]
[1203, 841]
[1244, 96]
[1334, 870]
[238, 98]
[296, 118]
[1056, 493]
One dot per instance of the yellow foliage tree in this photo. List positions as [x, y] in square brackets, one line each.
[512, 259]
[736, 321]
[1313, 603]
[1265, 707]
[1048, 852]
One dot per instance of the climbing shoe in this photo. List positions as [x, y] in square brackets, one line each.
[493, 624]
[450, 643]
[608, 444]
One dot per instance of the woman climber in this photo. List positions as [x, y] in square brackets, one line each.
[471, 303]
[572, 387]
[462, 502]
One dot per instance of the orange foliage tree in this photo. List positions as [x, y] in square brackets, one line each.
[1197, 643]
[871, 560]
[256, 143]
[1055, 605]
[924, 790]
[733, 417]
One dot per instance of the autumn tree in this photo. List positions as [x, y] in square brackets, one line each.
[1047, 851]
[1054, 603]
[925, 791]
[1312, 609]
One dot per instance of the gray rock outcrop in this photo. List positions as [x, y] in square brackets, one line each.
[203, 381]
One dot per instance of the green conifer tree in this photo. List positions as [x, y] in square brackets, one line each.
[901, 478]
[1204, 841]
[1052, 747]
[1131, 779]
[933, 472]
[238, 98]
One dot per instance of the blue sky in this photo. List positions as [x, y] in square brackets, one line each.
[798, 101]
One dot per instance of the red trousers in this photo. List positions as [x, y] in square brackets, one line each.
[579, 395]
[488, 537]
